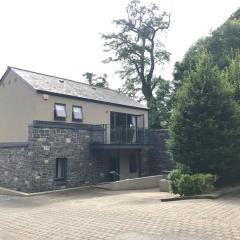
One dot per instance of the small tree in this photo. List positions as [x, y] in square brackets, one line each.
[205, 123]
[97, 81]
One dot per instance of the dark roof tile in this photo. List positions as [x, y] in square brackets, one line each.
[67, 87]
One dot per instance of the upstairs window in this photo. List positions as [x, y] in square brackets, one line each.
[77, 114]
[60, 112]
[61, 168]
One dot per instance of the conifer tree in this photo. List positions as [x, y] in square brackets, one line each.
[205, 123]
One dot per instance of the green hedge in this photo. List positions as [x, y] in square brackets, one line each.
[187, 184]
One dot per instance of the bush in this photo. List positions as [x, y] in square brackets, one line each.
[174, 177]
[186, 184]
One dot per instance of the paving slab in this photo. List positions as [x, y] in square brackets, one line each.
[99, 214]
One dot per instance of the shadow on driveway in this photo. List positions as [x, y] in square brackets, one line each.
[76, 195]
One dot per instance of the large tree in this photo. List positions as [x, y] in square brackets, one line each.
[138, 48]
[205, 123]
[222, 43]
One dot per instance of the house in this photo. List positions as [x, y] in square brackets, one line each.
[57, 133]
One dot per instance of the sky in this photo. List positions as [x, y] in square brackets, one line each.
[62, 37]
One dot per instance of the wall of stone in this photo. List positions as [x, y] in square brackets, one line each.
[159, 159]
[32, 167]
[15, 166]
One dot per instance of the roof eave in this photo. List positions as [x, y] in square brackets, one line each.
[90, 100]
[5, 74]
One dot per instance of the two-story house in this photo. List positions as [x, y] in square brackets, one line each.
[56, 133]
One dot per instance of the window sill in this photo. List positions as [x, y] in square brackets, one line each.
[60, 119]
[77, 121]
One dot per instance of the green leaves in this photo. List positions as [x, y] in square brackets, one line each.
[160, 105]
[205, 122]
[223, 44]
[97, 81]
[191, 184]
[232, 75]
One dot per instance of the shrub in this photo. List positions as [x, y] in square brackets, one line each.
[187, 184]
[173, 178]
[175, 175]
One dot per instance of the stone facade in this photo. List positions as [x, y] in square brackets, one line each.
[31, 166]
[15, 166]
[159, 158]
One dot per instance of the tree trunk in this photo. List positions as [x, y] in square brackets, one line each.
[147, 92]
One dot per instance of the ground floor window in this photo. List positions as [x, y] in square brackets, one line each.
[61, 168]
[132, 163]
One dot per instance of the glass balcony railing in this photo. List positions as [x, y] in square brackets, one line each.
[133, 135]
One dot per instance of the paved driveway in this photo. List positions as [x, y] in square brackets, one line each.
[131, 215]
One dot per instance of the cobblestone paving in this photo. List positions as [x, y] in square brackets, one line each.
[133, 215]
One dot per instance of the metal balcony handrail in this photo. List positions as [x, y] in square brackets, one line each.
[131, 135]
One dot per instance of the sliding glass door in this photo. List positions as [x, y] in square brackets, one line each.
[124, 127]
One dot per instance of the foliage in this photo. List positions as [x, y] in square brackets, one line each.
[174, 177]
[97, 81]
[187, 184]
[223, 43]
[160, 105]
[182, 69]
[232, 75]
[138, 48]
[205, 124]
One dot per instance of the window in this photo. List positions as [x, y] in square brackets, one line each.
[61, 168]
[60, 112]
[123, 128]
[77, 114]
[132, 163]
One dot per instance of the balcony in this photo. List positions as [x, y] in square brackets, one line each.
[132, 136]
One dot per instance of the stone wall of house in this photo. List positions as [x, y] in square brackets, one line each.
[159, 159]
[15, 166]
[145, 163]
[31, 167]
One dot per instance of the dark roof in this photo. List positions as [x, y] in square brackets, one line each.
[66, 87]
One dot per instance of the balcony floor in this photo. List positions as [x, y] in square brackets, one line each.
[123, 146]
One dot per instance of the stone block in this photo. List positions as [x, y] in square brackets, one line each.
[68, 140]
[164, 185]
[46, 148]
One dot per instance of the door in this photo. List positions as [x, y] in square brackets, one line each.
[118, 127]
